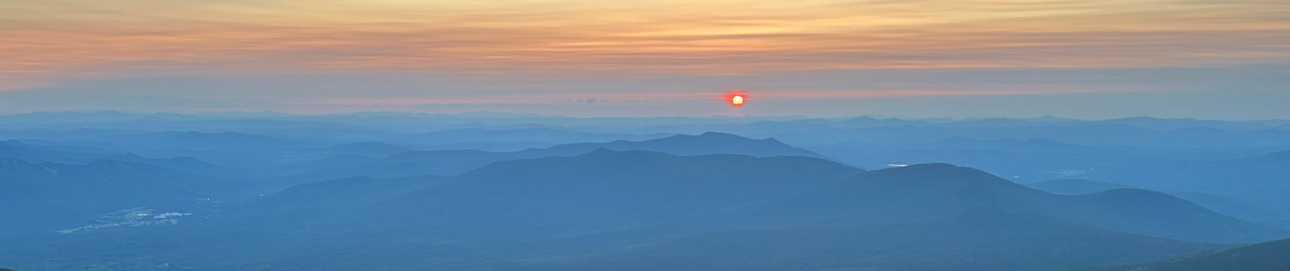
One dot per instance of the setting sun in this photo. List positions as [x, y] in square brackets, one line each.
[738, 100]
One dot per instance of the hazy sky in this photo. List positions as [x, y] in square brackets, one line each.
[942, 58]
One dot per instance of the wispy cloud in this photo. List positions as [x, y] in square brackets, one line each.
[82, 38]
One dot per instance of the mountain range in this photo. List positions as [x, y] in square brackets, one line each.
[44, 196]
[415, 192]
[640, 210]
[452, 162]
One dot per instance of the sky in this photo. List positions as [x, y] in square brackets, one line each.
[818, 58]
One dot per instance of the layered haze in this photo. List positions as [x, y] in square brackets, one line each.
[922, 135]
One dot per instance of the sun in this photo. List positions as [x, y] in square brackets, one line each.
[735, 98]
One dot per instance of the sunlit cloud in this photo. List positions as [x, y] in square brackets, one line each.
[80, 38]
[651, 57]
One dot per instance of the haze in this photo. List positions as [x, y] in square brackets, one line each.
[919, 135]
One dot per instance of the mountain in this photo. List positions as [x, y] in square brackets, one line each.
[929, 217]
[372, 149]
[706, 143]
[311, 203]
[452, 162]
[930, 192]
[1074, 186]
[1158, 214]
[1261, 177]
[1277, 158]
[222, 148]
[1267, 256]
[946, 247]
[1021, 159]
[1259, 181]
[1231, 206]
[407, 164]
[344, 194]
[654, 211]
[599, 191]
[494, 214]
[195, 140]
[639, 210]
[15, 149]
[514, 139]
[331, 163]
[20, 150]
[44, 196]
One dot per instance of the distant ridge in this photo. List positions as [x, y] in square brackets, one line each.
[372, 149]
[452, 162]
[69, 155]
[1074, 186]
[706, 143]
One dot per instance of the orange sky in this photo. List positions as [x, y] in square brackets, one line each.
[56, 38]
[44, 42]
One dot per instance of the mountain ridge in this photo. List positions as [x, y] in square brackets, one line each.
[452, 162]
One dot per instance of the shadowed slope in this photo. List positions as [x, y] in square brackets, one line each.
[601, 190]
[1268, 256]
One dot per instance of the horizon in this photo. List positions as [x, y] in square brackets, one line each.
[505, 115]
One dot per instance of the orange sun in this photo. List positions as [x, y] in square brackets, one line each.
[735, 98]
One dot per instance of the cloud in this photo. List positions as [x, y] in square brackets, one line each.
[822, 57]
[83, 38]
